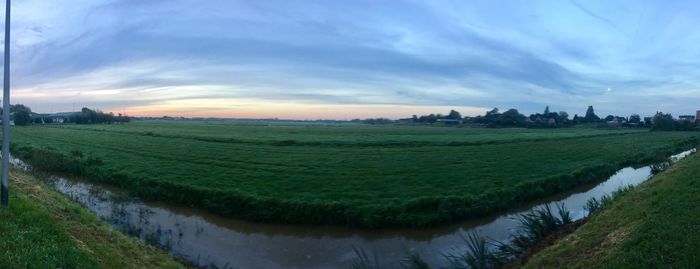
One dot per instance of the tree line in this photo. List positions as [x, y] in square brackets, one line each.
[89, 116]
[23, 115]
[513, 118]
[547, 119]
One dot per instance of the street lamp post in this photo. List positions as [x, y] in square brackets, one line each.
[4, 191]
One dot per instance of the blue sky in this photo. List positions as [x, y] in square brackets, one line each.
[347, 59]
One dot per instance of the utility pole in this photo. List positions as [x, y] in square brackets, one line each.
[4, 191]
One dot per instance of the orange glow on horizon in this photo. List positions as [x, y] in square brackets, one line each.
[229, 108]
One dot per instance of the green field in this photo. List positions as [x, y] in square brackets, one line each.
[359, 175]
[41, 228]
[654, 226]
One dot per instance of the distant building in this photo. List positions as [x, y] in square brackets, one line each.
[686, 118]
[61, 117]
[450, 121]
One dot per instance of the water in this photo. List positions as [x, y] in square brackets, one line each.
[210, 240]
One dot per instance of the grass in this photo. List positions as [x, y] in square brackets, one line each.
[652, 226]
[367, 176]
[43, 229]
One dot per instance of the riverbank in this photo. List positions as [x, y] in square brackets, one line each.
[44, 229]
[652, 227]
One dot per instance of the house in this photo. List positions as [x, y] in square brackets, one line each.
[450, 121]
[613, 123]
[686, 118]
[61, 117]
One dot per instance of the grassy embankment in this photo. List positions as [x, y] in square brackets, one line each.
[43, 229]
[654, 226]
[368, 176]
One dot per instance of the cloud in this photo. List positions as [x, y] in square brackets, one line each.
[117, 54]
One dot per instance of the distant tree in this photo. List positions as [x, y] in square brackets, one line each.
[563, 115]
[429, 118]
[89, 116]
[577, 119]
[563, 118]
[454, 115]
[22, 114]
[378, 121]
[590, 115]
[511, 117]
[663, 122]
[635, 118]
[610, 118]
[491, 115]
[546, 110]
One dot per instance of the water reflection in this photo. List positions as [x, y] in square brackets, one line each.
[212, 241]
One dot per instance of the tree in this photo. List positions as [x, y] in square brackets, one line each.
[22, 114]
[511, 118]
[454, 115]
[546, 110]
[590, 115]
[635, 118]
[663, 122]
[563, 115]
[563, 118]
[89, 116]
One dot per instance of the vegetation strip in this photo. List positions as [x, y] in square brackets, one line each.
[331, 143]
[369, 187]
[44, 229]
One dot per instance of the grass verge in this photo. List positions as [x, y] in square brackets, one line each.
[44, 229]
[654, 226]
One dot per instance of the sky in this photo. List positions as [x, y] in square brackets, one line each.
[330, 59]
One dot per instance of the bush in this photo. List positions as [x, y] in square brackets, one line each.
[663, 122]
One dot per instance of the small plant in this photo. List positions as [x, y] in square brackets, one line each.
[593, 205]
[564, 214]
[362, 261]
[538, 223]
[660, 167]
[513, 250]
[478, 256]
[414, 261]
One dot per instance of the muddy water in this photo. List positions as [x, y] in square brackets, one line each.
[211, 241]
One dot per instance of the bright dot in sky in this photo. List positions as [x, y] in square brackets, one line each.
[609, 90]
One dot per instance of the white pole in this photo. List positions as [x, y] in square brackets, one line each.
[6, 113]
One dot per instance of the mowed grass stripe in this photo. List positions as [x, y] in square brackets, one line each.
[344, 135]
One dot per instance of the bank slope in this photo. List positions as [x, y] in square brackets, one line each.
[655, 226]
[43, 229]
